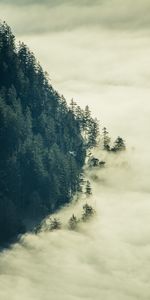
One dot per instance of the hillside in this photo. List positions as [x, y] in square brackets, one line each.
[43, 141]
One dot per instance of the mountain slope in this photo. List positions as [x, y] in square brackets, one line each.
[42, 150]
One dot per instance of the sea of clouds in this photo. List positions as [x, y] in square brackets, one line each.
[99, 55]
[105, 258]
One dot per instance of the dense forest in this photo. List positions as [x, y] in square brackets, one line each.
[43, 141]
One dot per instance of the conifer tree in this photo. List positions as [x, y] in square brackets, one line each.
[119, 145]
[106, 140]
[88, 212]
[93, 133]
[55, 224]
[73, 222]
[88, 189]
[73, 106]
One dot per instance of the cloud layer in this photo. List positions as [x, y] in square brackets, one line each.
[98, 53]
[106, 258]
[50, 16]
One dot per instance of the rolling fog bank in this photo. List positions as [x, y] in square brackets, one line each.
[106, 258]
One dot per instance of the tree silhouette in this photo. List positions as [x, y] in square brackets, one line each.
[119, 145]
[106, 140]
[88, 212]
[73, 222]
[88, 189]
[55, 224]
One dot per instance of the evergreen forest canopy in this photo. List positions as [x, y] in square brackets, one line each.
[43, 141]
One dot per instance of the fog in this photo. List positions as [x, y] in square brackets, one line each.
[105, 258]
[97, 54]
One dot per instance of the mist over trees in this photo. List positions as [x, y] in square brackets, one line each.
[43, 141]
[118, 145]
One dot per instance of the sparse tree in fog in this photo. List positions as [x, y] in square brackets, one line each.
[88, 189]
[88, 212]
[119, 145]
[55, 224]
[73, 222]
[106, 140]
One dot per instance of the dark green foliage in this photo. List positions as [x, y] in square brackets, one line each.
[38, 228]
[95, 162]
[106, 140]
[89, 127]
[119, 145]
[93, 133]
[88, 189]
[43, 142]
[73, 222]
[9, 224]
[55, 224]
[88, 212]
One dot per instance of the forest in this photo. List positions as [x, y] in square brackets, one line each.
[43, 141]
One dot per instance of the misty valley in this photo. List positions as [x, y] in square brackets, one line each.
[74, 190]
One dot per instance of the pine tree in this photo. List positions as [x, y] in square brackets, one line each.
[93, 133]
[106, 140]
[86, 118]
[73, 222]
[88, 189]
[119, 145]
[73, 106]
[79, 113]
[55, 224]
[88, 212]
